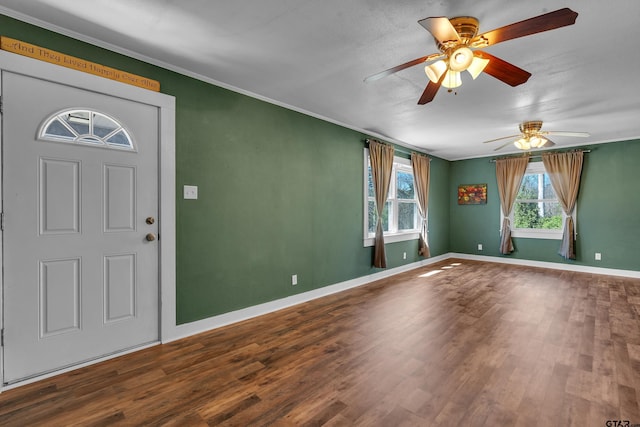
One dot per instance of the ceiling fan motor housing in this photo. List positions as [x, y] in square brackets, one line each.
[531, 127]
[467, 29]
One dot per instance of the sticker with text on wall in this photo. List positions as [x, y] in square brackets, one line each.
[53, 57]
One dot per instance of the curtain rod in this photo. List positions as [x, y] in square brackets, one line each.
[400, 148]
[539, 156]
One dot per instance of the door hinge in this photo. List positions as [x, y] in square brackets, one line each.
[1, 109]
[2, 337]
[2, 221]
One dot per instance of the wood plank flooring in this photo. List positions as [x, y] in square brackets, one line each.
[459, 343]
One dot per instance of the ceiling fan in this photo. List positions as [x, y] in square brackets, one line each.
[459, 44]
[531, 136]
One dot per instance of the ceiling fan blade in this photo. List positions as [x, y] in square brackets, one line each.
[503, 145]
[400, 67]
[538, 24]
[440, 28]
[431, 90]
[503, 71]
[500, 139]
[429, 93]
[548, 144]
[563, 133]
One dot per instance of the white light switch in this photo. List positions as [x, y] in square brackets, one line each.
[191, 192]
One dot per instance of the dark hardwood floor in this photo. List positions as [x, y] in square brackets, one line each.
[459, 343]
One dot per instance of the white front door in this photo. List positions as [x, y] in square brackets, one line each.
[80, 275]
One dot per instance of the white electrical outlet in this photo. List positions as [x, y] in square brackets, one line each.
[598, 256]
[479, 246]
[190, 192]
[404, 255]
[294, 279]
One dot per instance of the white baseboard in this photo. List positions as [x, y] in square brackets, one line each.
[552, 265]
[204, 325]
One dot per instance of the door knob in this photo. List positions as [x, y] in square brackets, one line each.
[150, 237]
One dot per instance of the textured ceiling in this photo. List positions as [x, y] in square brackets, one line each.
[312, 56]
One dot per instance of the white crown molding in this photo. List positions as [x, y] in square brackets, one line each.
[183, 71]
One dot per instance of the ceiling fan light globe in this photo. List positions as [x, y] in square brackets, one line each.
[477, 66]
[522, 144]
[435, 70]
[537, 141]
[460, 59]
[452, 79]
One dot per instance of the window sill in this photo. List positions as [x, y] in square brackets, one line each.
[537, 234]
[393, 238]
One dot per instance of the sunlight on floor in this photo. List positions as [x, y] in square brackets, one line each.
[446, 267]
[430, 273]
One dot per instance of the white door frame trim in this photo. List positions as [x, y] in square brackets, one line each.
[166, 171]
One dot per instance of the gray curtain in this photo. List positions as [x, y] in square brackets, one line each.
[509, 173]
[564, 170]
[421, 174]
[381, 157]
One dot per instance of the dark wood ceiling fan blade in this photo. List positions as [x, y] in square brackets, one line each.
[400, 67]
[502, 70]
[538, 24]
[431, 90]
[440, 28]
[429, 93]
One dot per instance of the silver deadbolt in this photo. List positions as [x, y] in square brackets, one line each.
[150, 220]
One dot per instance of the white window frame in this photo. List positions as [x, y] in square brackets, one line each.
[530, 233]
[91, 139]
[393, 235]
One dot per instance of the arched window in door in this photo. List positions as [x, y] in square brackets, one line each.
[86, 127]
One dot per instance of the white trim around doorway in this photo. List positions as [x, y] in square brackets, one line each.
[166, 179]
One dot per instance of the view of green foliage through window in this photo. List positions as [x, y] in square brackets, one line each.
[400, 211]
[406, 201]
[537, 205]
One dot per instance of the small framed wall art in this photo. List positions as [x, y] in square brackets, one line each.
[472, 194]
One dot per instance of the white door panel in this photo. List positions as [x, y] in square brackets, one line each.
[80, 279]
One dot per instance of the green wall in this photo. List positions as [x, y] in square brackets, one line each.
[279, 192]
[607, 216]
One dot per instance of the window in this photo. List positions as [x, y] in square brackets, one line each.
[86, 127]
[400, 218]
[537, 213]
